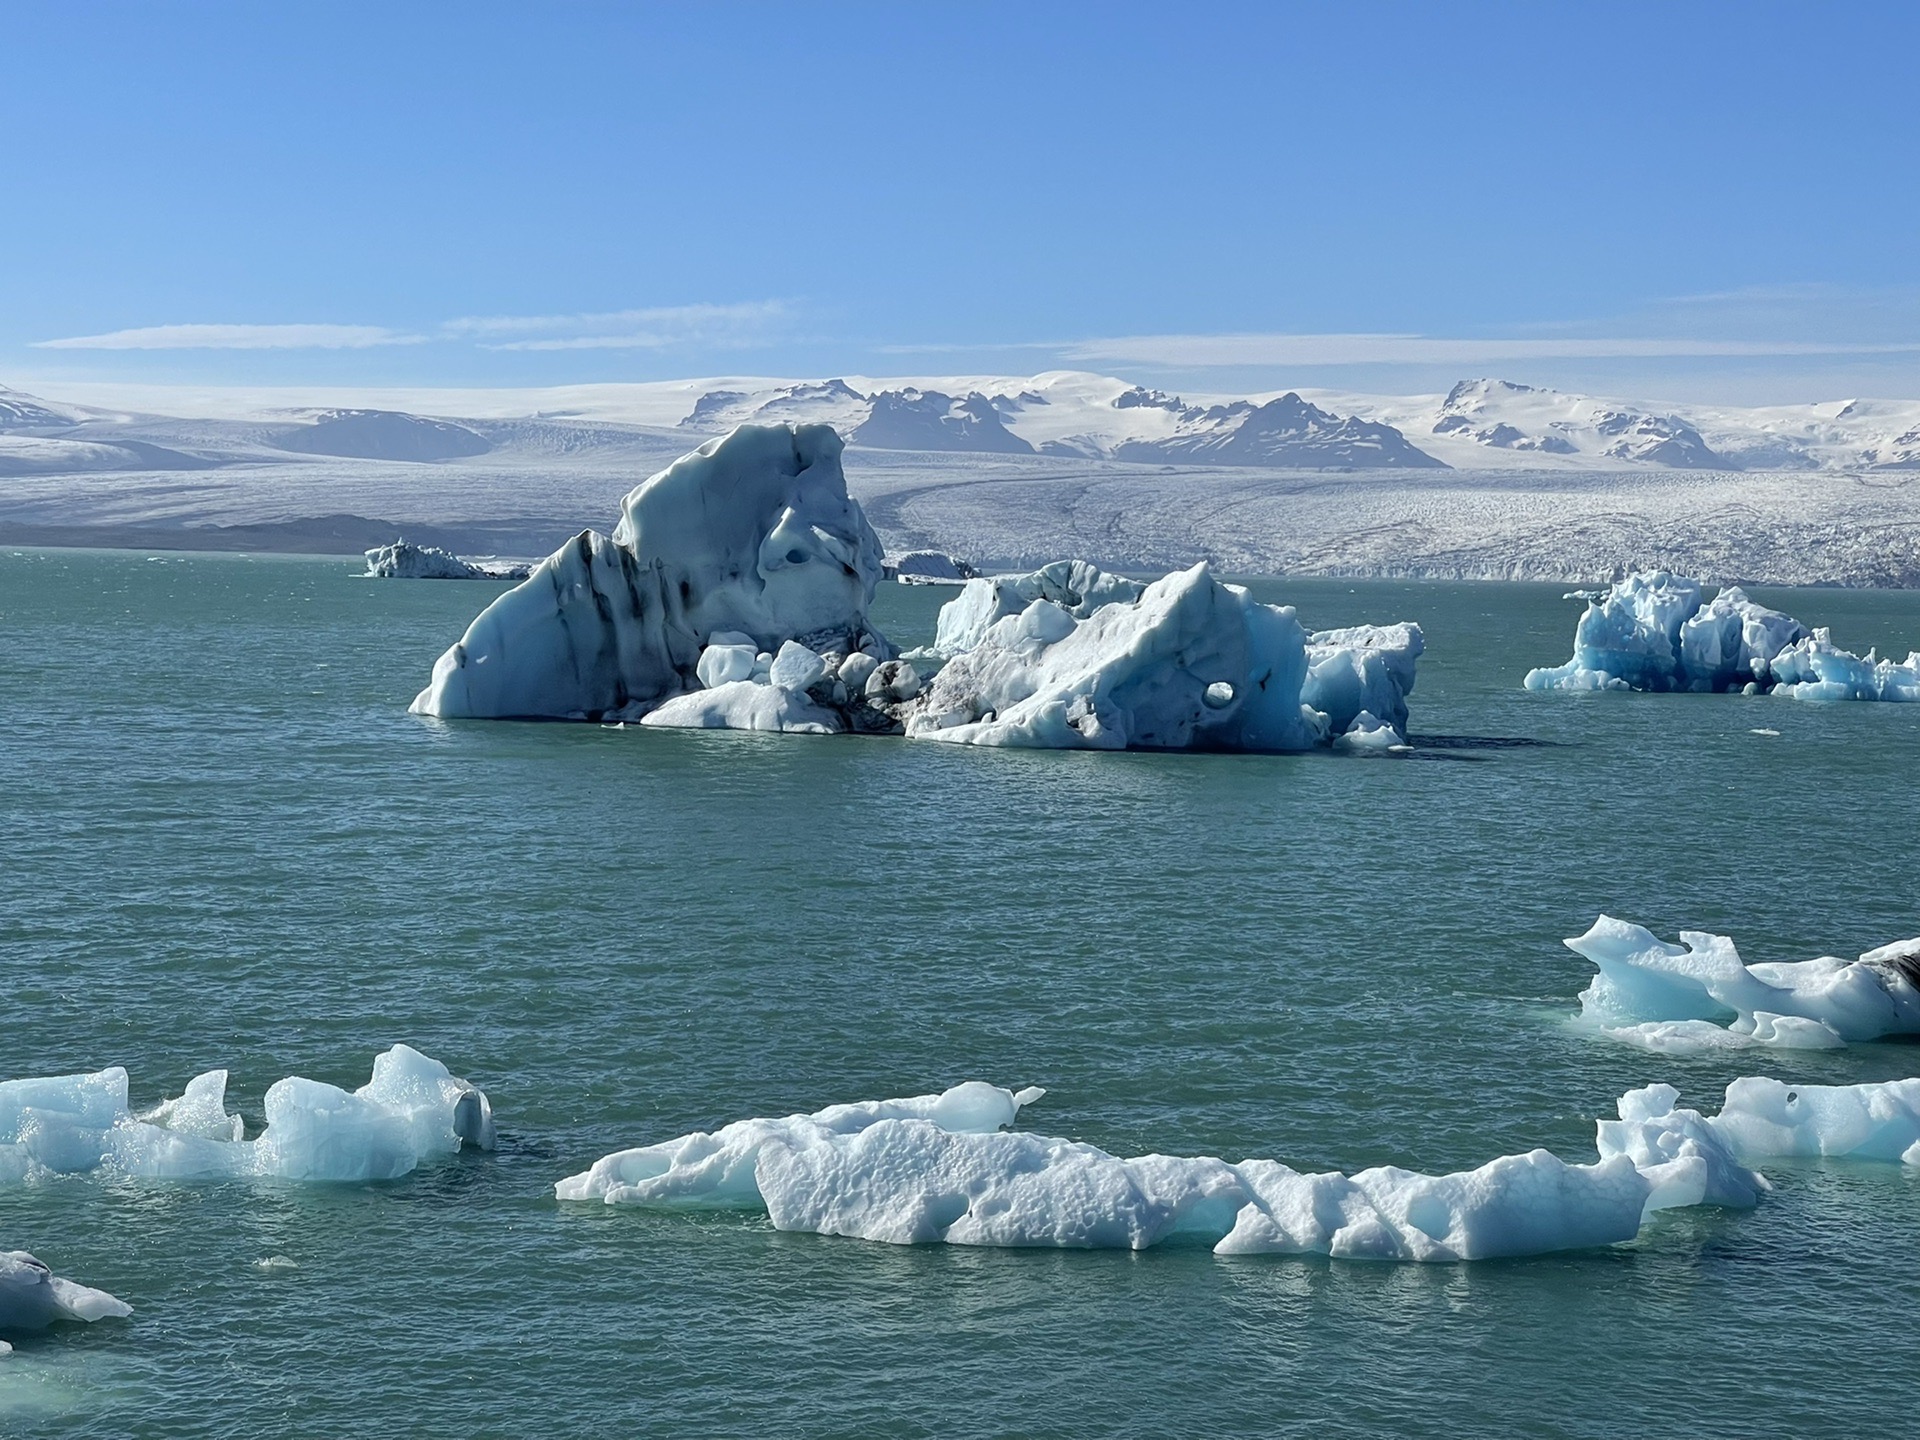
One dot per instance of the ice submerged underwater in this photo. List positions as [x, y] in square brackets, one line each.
[733, 594]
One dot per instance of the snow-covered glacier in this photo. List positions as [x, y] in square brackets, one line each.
[413, 1108]
[734, 595]
[942, 1168]
[1700, 995]
[752, 534]
[32, 1297]
[1652, 632]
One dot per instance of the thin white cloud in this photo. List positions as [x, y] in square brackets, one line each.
[236, 337]
[1369, 349]
[650, 329]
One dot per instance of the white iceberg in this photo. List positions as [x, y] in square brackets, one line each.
[1187, 663]
[928, 567]
[404, 561]
[1765, 1119]
[753, 534]
[1700, 995]
[32, 1297]
[411, 1109]
[940, 1168]
[1191, 663]
[1650, 632]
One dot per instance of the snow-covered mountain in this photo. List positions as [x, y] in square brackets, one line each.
[1477, 425]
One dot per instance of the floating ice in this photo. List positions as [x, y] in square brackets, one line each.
[1814, 668]
[32, 1297]
[1649, 632]
[1765, 1119]
[404, 561]
[1192, 663]
[929, 567]
[1362, 671]
[411, 1109]
[939, 1168]
[754, 534]
[1700, 995]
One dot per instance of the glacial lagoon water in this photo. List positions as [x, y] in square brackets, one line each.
[228, 845]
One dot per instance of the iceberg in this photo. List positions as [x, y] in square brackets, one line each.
[1191, 663]
[1650, 632]
[752, 534]
[1700, 995]
[943, 1169]
[1186, 663]
[1764, 1119]
[412, 1108]
[928, 567]
[404, 561]
[32, 1297]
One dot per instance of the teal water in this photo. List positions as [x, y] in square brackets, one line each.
[227, 845]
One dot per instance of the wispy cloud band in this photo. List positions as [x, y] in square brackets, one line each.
[236, 337]
[1377, 349]
[658, 328]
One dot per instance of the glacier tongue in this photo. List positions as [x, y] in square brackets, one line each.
[754, 534]
[942, 1169]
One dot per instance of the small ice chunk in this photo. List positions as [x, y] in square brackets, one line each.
[723, 664]
[797, 668]
[32, 1297]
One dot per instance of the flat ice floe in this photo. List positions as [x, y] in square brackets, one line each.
[734, 595]
[411, 1109]
[32, 1297]
[1699, 994]
[1651, 632]
[941, 1168]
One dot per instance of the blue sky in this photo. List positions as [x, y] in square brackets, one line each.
[1687, 200]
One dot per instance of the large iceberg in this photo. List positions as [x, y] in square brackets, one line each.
[753, 534]
[411, 1109]
[1700, 995]
[1186, 662]
[734, 594]
[32, 1297]
[1650, 632]
[941, 1168]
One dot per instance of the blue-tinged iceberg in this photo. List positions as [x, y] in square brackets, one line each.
[734, 595]
[1699, 994]
[754, 534]
[1651, 632]
[411, 1109]
[32, 1297]
[942, 1169]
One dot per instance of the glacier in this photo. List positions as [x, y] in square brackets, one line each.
[943, 1169]
[1699, 994]
[32, 1297]
[1650, 631]
[411, 1109]
[734, 595]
